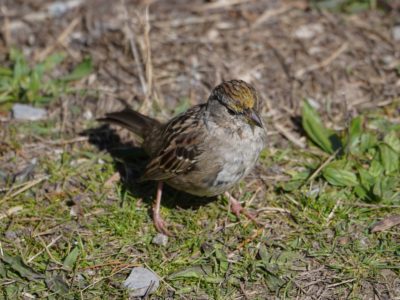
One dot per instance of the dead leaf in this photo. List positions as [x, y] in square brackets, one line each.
[386, 223]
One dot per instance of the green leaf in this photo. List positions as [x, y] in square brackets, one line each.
[389, 158]
[70, 260]
[81, 70]
[222, 260]
[57, 285]
[366, 179]
[16, 263]
[337, 175]
[196, 272]
[296, 181]
[384, 188]
[5, 72]
[355, 131]
[376, 169]
[393, 141]
[20, 64]
[367, 142]
[52, 61]
[321, 136]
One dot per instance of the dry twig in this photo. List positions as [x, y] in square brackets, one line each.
[326, 62]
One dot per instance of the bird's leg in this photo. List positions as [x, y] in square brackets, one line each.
[238, 209]
[159, 223]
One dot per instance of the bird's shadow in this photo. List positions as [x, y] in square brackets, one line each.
[130, 162]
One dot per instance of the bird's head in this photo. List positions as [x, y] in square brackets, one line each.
[240, 99]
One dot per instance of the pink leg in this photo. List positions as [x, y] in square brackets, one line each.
[238, 209]
[157, 219]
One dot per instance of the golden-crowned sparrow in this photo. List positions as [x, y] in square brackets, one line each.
[205, 150]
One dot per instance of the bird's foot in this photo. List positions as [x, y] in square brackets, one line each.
[160, 225]
[239, 210]
[158, 221]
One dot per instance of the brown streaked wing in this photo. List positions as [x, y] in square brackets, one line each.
[180, 149]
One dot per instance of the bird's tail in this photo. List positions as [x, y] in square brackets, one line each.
[132, 120]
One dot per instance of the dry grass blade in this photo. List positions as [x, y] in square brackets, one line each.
[11, 211]
[53, 241]
[220, 4]
[27, 186]
[270, 13]
[319, 169]
[133, 45]
[326, 62]
[287, 134]
[60, 40]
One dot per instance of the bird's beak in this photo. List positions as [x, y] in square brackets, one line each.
[254, 118]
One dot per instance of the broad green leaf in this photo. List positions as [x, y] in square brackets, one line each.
[57, 285]
[81, 70]
[366, 179]
[70, 260]
[197, 272]
[362, 193]
[20, 65]
[336, 174]
[376, 169]
[393, 141]
[16, 263]
[213, 279]
[274, 282]
[367, 141]
[296, 181]
[321, 136]
[389, 158]
[354, 137]
[52, 61]
[384, 188]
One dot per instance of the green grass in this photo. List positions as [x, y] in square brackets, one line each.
[323, 239]
[26, 83]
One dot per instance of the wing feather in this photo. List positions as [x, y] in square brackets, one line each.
[180, 149]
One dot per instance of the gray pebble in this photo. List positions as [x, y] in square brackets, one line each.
[396, 32]
[160, 239]
[141, 282]
[27, 112]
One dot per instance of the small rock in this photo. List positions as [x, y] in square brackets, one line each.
[28, 113]
[88, 115]
[58, 8]
[160, 239]
[396, 32]
[11, 235]
[213, 34]
[141, 282]
[308, 31]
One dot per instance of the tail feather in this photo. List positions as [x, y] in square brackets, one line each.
[132, 120]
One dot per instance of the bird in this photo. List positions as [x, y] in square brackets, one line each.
[203, 151]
